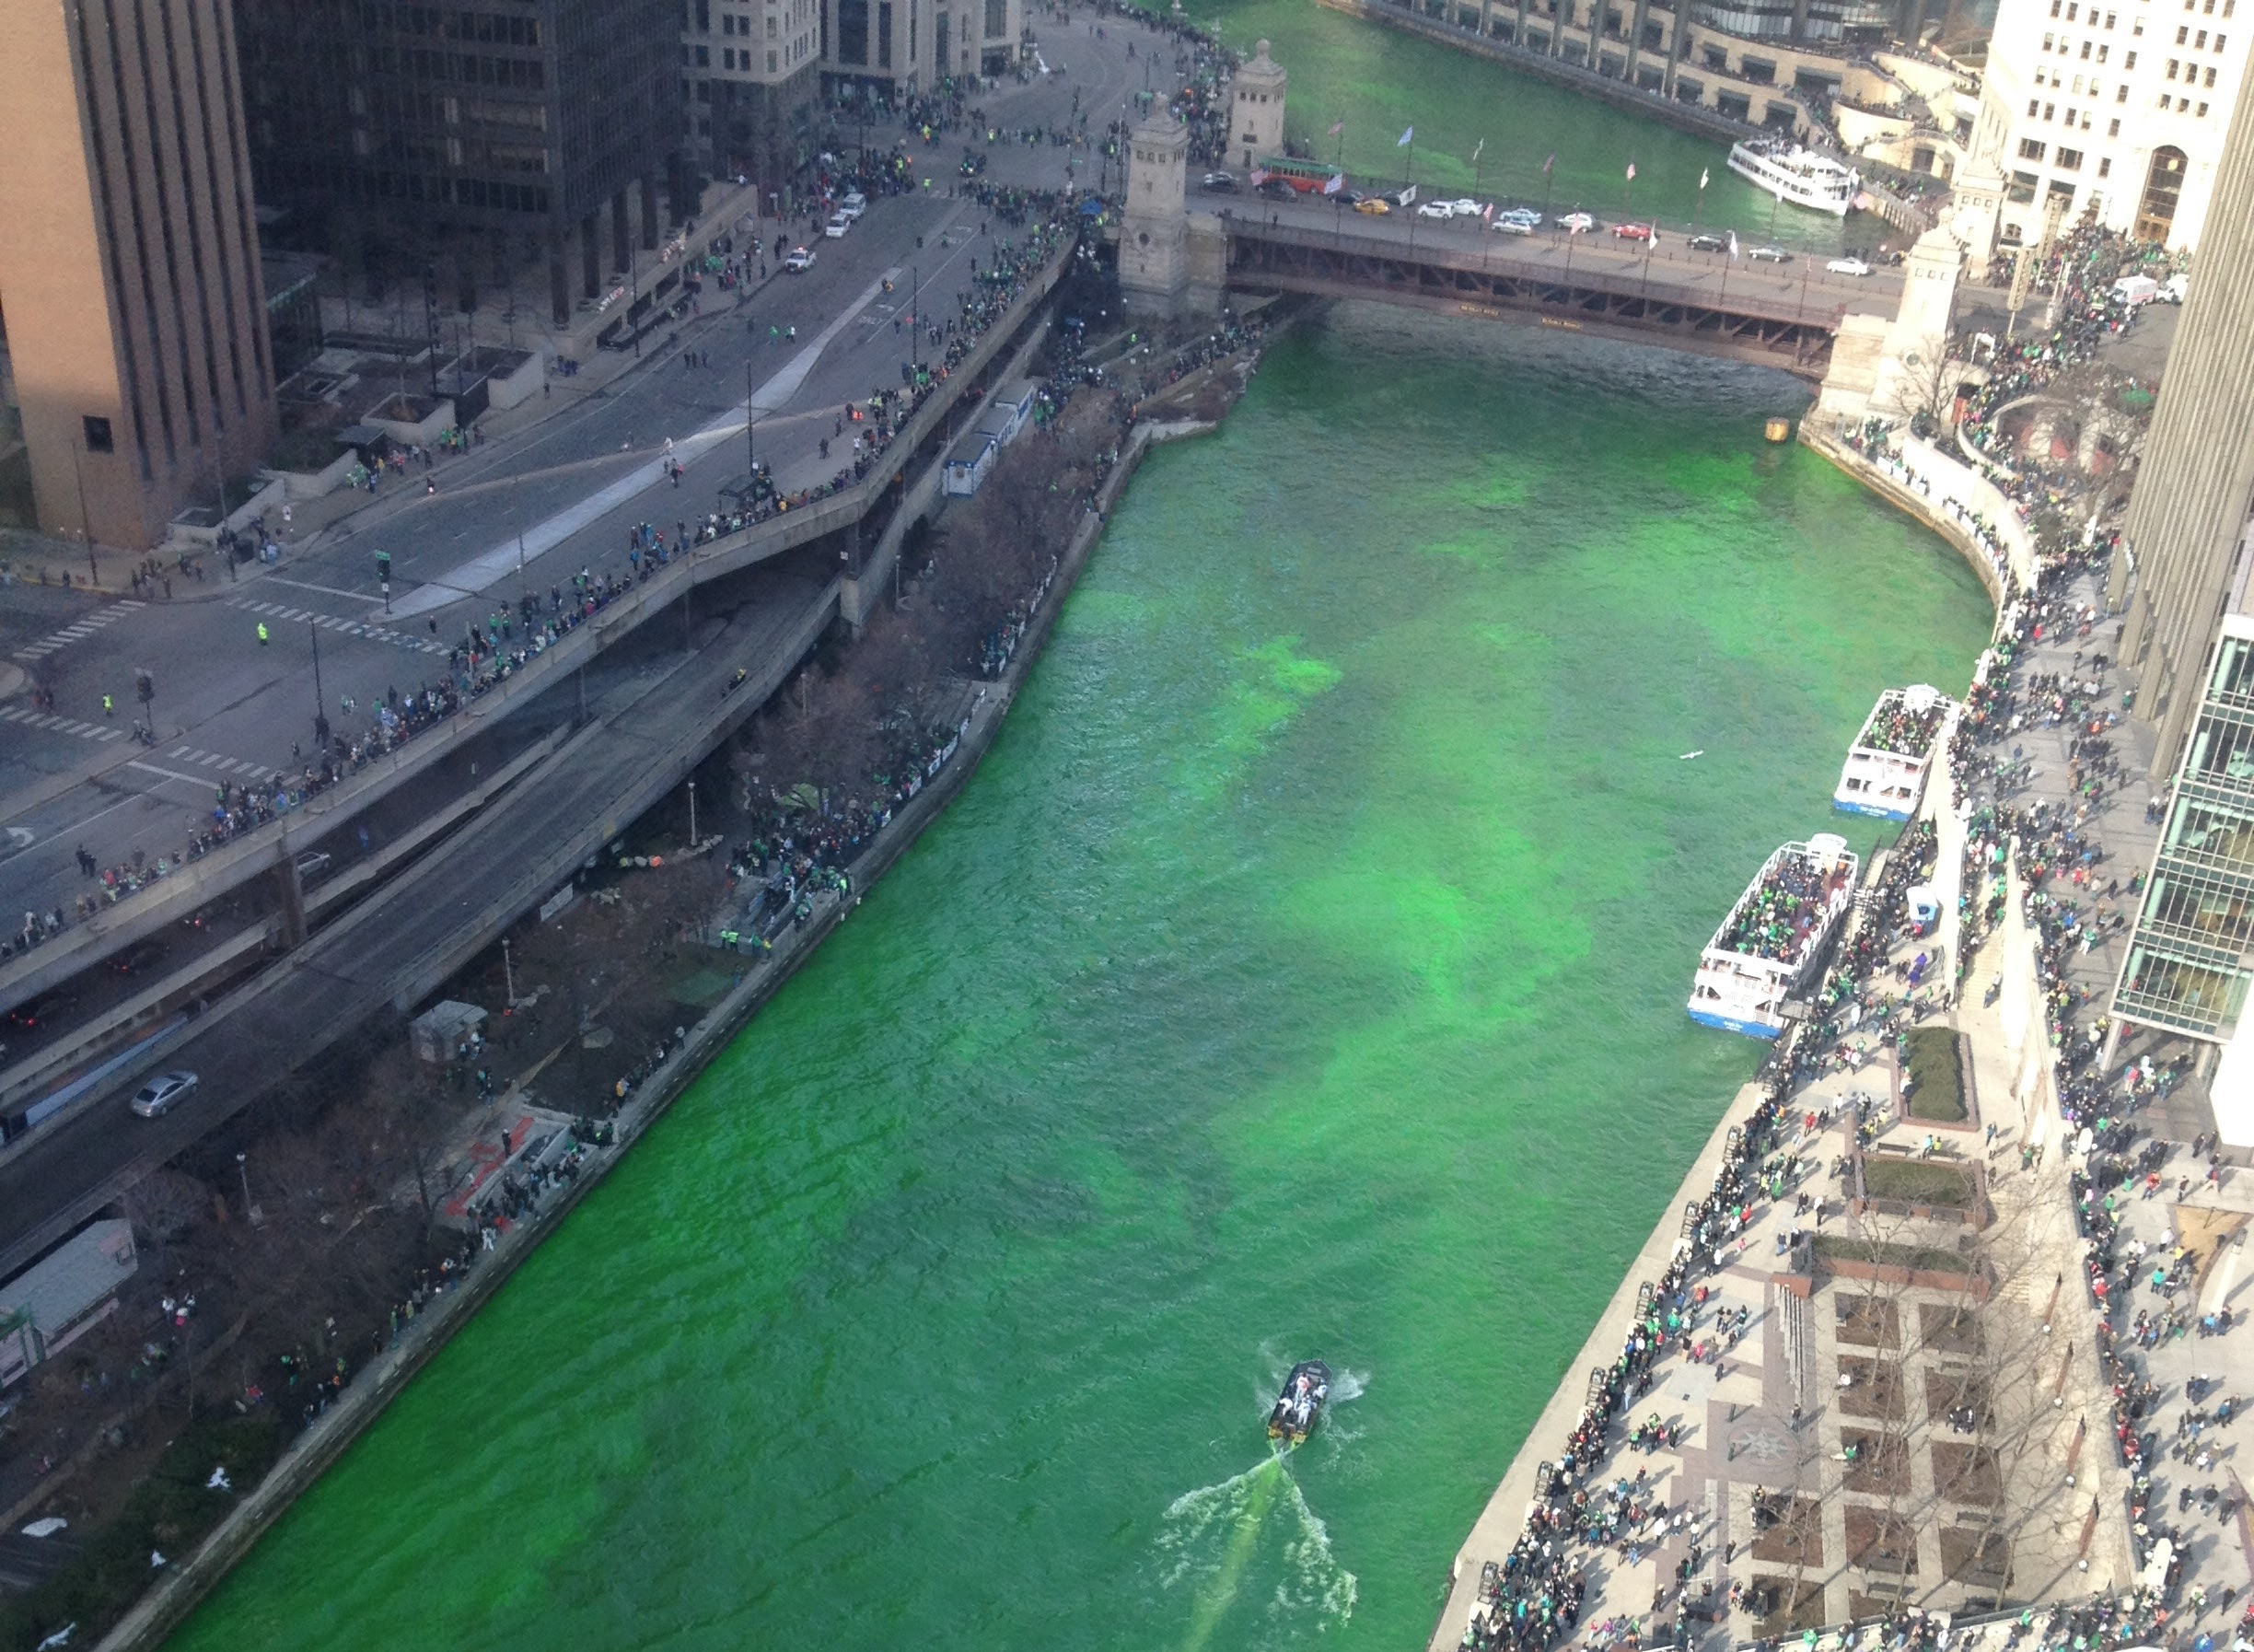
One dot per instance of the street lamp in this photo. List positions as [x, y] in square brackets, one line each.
[242, 1165]
[692, 831]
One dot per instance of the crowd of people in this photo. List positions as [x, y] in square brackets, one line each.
[1897, 726]
[1794, 899]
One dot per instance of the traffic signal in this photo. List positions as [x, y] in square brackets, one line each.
[383, 564]
[144, 686]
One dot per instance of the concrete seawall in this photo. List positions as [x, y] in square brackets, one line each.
[169, 1603]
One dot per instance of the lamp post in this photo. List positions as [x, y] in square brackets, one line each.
[508, 974]
[242, 1166]
[320, 701]
[693, 824]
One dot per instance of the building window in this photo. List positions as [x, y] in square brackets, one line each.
[2033, 148]
[997, 19]
[2105, 165]
[2021, 190]
[2182, 35]
[2070, 160]
[2108, 22]
[2210, 80]
[2171, 75]
[2101, 53]
[2113, 129]
[771, 62]
[2034, 108]
[2202, 111]
[2050, 111]
[99, 438]
[703, 57]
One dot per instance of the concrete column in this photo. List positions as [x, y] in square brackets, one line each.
[590, 263]
[651, 207]
[621, 238]
[558, 283]
[1635, 38]
[1520, 40]
[1799, 22]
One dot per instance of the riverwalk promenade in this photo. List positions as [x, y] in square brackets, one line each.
[1950, 1371]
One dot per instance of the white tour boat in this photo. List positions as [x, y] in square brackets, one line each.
[1886, 766]
[1797, 174]
[1768, 949]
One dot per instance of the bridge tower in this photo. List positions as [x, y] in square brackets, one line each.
[1154, 270]
[1256, 115]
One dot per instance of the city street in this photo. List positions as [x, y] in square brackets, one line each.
[230, 708]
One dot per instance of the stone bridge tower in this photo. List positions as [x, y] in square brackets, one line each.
[1256, 112]
[1154, 269]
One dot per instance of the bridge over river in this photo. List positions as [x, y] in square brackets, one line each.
[1782, 314]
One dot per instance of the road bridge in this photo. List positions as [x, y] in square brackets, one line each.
[1780, 314]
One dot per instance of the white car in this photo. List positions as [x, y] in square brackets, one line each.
[854, 204]
[801, 259]
[1436, 209]
[1513, 227]
[1521, 215]
[1577, 222]
[160, 1095]
[836, 227]
[1463, 207]
[1847, 266]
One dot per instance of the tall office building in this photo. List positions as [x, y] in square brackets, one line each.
[2186, 548]
[900, 47]
[129, 271]
[751, 87]
[2119, 104]
[468, 140]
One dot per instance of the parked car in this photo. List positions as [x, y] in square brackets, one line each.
[1635, 232]
[853, 204]
[161, 1094]
[1219, 180]
[1577, 222]
[1436, 209]
[1847, 266]
[1706, 243]
[313, 865]
[836, 227]
[1373, 204]
[801, 259]
[1769, 255]
[1513, 227]
[1521, 215]
[1463, 206]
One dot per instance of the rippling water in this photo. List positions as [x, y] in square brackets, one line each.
[1302, 975]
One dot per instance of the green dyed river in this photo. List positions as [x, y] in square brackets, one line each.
[1303, 974]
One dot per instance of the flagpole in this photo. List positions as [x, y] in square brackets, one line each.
[1548, 184]
[1477, 164]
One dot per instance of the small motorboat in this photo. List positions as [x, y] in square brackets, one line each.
[1300, 1402]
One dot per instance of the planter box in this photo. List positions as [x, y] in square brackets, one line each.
[316, 484]
[415, 433]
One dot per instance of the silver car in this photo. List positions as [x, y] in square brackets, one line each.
[161, 1094]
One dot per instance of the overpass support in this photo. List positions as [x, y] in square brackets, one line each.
[1154, 231]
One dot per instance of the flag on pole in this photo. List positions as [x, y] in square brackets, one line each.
[1487, 212]
[1336, 127]
[1703, 175]
[1733, 246]
[1480, 149]
[1551, 162]
[1631, 172]
[1406, 135]
[1335, 182]
[1258, 176]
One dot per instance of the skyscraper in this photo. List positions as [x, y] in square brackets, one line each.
[468, 140]
[129, 272]
[2186, 531]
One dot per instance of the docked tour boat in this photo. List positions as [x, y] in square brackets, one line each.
[1300, 1402]
[1886, 765]
[1769, 948]
[1797, 174]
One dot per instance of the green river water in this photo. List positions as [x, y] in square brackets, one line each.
[1303, 974]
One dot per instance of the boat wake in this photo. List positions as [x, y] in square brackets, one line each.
[1222, 1545]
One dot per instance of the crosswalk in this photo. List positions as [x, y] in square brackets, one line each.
[79, 631]
[238, 767]
[55, 725]
[360, 628]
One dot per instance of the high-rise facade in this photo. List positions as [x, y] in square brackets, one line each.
[2185, 558]
[900, 47]
[2122, 105]
[129, 272]
[750, 84]
[468, 138]
[2191, 955]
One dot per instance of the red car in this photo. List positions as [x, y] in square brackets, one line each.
[1635, 232]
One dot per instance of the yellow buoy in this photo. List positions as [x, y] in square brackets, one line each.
[1778, 430]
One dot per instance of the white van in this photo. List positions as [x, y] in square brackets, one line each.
[2173, 289]
[2135, 290]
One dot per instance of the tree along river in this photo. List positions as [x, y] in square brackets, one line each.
[1375, 83]
[1302, 975]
